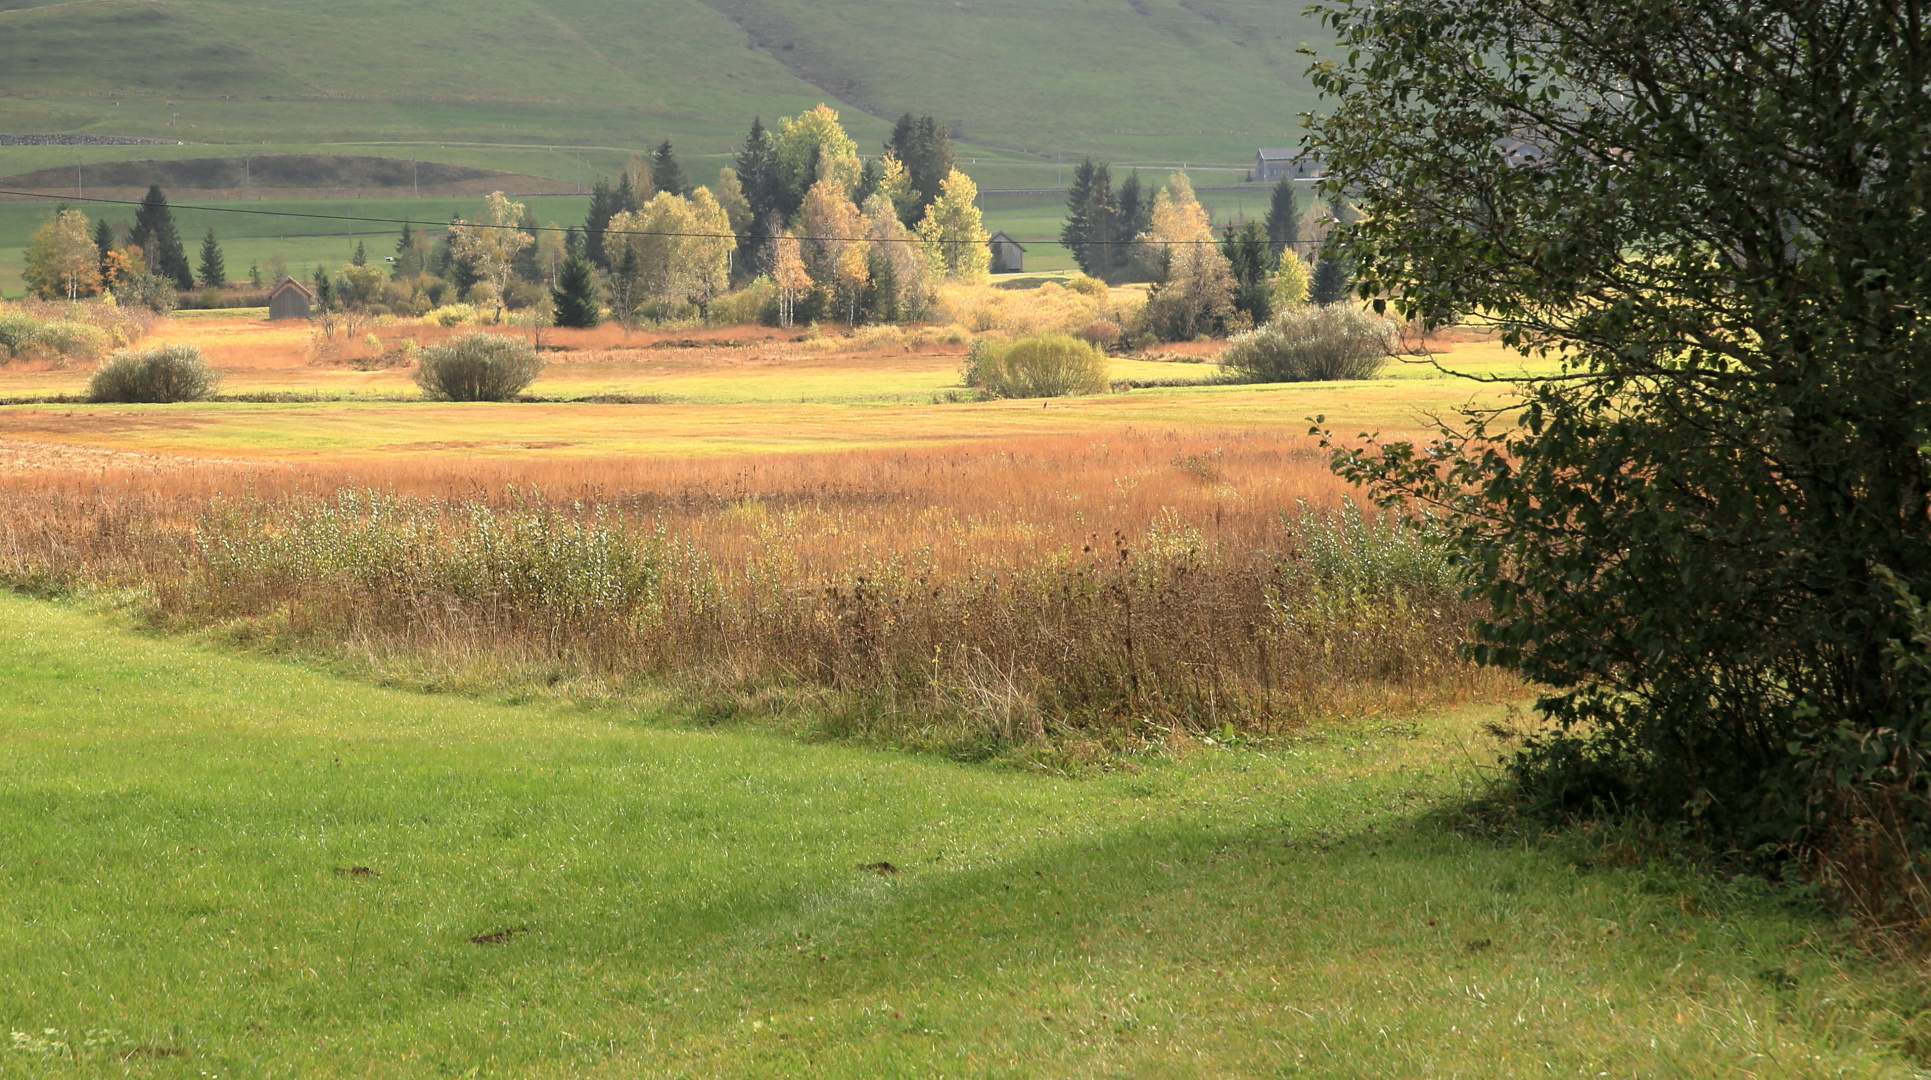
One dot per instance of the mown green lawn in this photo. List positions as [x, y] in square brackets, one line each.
[562, 890]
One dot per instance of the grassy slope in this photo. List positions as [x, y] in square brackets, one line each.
[1155, 79]
[694, 904]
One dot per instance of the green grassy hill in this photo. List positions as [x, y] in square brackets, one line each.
[1024, 81]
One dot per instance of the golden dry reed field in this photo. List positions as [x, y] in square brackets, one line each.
[889, 562]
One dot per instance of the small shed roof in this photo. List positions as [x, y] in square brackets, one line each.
[285, 284]
[999, 237]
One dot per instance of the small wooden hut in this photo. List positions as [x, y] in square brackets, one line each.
[1008, 255]
[289, 300]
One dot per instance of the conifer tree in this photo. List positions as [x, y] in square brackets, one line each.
[360, 258]
[925, 148]
[103, 238]
[1092, 229]
[1283, 217]
[214, 270]
[103, 246]
[1249, 260]
[665, 174]
[155, 234]
[604, 205]
[1330, 285]
[1136, 208]
[412, 253]
[575, 293]
[757, 169]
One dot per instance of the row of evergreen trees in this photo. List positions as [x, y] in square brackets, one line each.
[1107, 231]
[66, 259]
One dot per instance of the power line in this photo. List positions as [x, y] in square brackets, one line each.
[558, 228]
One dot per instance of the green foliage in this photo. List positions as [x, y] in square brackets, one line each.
[1054, 365]
[665, 173]
[1092, 230]
[924, 147]
[151, 291]
[1283, 223]
[1330, 284]
[1709, 536]
[477, 367]
[575, 295]
[1311, 344]
[154, 232]
[1252, 263]
[156, 375]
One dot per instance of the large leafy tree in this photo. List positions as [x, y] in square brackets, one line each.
[62, 261]
[1709, 536]
[953, 232]
[492, 244]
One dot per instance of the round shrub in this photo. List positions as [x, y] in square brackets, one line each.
[155, 375]
[477, 367]
[1311, 344]
[1051, 366]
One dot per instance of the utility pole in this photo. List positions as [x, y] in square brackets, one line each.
[247, 179]
[415, 178]
[79, 192]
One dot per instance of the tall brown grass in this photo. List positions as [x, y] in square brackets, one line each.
[1072, 593]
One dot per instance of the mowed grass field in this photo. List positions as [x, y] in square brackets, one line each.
[224, 866]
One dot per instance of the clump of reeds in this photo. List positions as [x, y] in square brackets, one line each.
[1104, 593]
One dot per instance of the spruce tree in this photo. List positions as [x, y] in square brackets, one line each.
[1283, 217]
[1330, 285]
[155, 234]
[575, 294]
[103, 238]
[924, 147]
[603, 207]
[360, 258]
[1092, 229]
[1252, 263]
[103, 244]
[1136, 208]
[757, 169]
[665, 175]
[214, 271]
